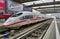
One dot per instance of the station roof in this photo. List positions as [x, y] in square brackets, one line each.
[22, 1]
[47, 7]
[42, 5]
[50, 9]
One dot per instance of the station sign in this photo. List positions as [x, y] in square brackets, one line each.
[9, 4]
[2, 4]
[17, 7]
[14, 6]
[27, 8]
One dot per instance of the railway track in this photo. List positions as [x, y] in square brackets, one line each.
[36, 32]
[29, 31]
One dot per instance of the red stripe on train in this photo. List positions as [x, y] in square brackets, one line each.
[15, 23]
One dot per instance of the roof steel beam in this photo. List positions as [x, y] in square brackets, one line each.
[43, 4]
[47, 7]
[23, 1]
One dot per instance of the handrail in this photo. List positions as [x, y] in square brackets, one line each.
[57, 32]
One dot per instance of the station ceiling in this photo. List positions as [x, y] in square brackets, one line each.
[44, 4]
[47, 7]
[22, 1]
[44, 10]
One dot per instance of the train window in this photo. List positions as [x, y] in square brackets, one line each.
[30, 16]
[26, 17]
[21, 18]
[15, 15]
[19, 14]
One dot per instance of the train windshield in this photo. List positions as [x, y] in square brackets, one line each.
[15, 15]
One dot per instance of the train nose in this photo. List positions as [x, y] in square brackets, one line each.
[5, 25]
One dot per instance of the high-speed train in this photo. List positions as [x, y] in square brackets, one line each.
[19, 19]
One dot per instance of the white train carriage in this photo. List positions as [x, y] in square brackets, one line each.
[19, 19]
